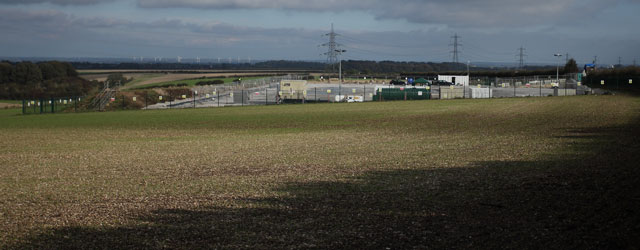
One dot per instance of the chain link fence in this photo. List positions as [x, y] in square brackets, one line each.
[266, 91]
[51, 105]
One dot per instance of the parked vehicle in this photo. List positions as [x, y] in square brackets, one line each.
[442, 83]
[397, 82]
[357, 98]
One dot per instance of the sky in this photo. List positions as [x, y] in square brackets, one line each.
[399, 30]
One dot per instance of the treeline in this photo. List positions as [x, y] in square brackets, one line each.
[486, 73]
[284, 65]
[349, 67]
[41, 80]
[363, 67]
[390, 67]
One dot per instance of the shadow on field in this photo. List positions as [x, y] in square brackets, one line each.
[588, 200]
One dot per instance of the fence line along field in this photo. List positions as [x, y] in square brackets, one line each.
[504, 173]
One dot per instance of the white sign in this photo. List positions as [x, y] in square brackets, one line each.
[214, 93]
[479, 85]
[353, 90]
[160, 98]
[602, 82]
[184, 96]
[419, 93]
[630, 81]
[195, 92]
[428, 87]
[65, 102]
[134, 98]
[579, 83]
[207, 95]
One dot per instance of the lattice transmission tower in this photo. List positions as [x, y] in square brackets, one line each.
[332, 48]
[456, 50]
[521, 54]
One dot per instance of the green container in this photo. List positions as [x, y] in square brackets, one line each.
[391, 94]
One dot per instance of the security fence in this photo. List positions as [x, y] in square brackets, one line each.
[51, 105]
[266, 91]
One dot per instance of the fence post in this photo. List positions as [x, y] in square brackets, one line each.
[266, 96]
[490, 95]
[24, 106]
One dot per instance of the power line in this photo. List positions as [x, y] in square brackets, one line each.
[379, 43]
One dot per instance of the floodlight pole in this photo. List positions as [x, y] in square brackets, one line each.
[340, 51]
[558, 69]
[340, 78]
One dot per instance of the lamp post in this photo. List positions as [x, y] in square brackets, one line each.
[558, 69]
[340, 51]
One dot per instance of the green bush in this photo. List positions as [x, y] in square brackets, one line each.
[214, 82]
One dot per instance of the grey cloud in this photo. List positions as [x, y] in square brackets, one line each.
[57, 25]
[56, 2]
[487, 13]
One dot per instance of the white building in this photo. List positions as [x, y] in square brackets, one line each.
[458, 80]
